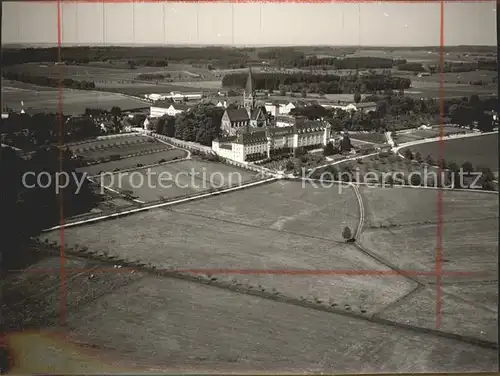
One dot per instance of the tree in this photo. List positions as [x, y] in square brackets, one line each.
[329, 149]
[408, 154]
[389, 180]
[429, 160]
[347, 233]
[487, 178]
[418, 157]
[442, 164]
[116, 111]
[467, 167]
[415, 180]
[345, 144]
[357, 97]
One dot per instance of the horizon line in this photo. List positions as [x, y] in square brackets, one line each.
[229, 45]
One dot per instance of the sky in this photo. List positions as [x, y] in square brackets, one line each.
[164, 23]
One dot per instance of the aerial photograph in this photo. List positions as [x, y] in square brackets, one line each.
[249, 187]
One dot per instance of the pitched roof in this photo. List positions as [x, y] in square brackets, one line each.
[252, 138]
[237, 114]
[285, 119]
[257, 111]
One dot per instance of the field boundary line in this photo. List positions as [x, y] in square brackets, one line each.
[399, 270]
[280, 298]
[54, 287]
[155, 206]
[115, 191]
[397, 302]
[379, 185]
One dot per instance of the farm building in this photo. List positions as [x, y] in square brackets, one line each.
[365, 107]
[167, 108]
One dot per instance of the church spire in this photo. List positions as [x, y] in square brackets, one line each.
[249, 85]
[248, 95]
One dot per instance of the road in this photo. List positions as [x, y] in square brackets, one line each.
[156, 206]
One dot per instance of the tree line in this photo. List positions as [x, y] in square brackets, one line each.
[474, 110]
[152, 76]
[27, 207]
[453, 169]
[201, 124]
[152, 56]
[49, 81]
[327, 84]
[29, 132]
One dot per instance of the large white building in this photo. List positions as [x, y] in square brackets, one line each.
[167, 108]
[263, 143]
[176, 96]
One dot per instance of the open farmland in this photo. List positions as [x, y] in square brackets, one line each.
[120, 79]
[109, 73]
[295, 235]
[401, 229]
[37, 99]
[392, 207]
[177, 179]
[431, 88]
[480, 150]
[194, 328]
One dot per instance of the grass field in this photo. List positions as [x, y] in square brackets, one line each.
[376, 138]
[401, 228]
[177, 179]
[37, 99]
[127, 322]
[260, 230]
[420, 134]
[465, 318]
[480, 151]
[127, 163]
[407, 206]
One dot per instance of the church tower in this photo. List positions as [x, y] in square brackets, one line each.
[249, 94]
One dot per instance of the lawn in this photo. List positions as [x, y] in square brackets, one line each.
[375, 138]
[127, 163]
[278, 226]
[177, 179]
[419, 134]
[119, 321]
[480, 151]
